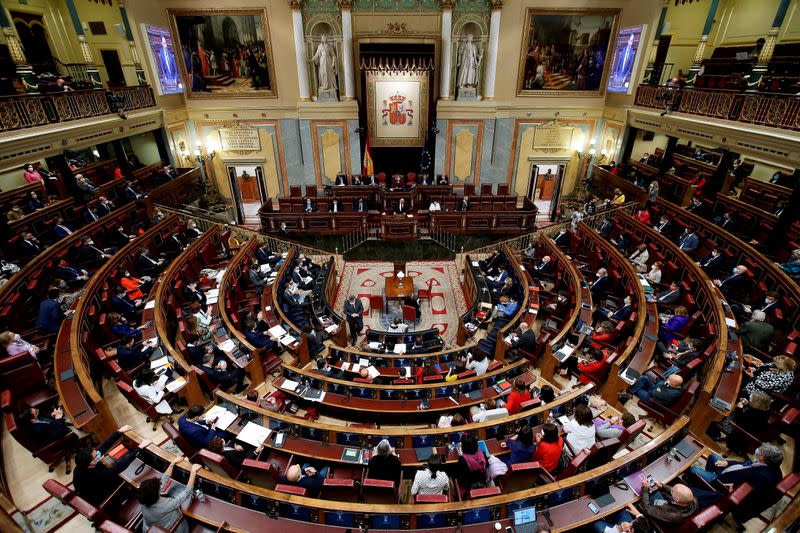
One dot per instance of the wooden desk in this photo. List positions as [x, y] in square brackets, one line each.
[394, 291]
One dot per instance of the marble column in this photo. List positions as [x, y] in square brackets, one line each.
[651, 74]
[765, 55]
[137, 63]
[300, 51]
[347, 50]
[491, 62]
[447, 31]
[86, 52]
[17, 53]
[701, 46]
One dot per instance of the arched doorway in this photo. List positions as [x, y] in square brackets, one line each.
[33, 35]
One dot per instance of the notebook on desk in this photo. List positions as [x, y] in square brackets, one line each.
[475, 394]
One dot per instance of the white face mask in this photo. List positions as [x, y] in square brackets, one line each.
[30, 169]
[16, 337]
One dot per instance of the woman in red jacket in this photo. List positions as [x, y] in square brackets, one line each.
[603, 333]
[516, 398]
[548, 448]
[643, 215]
[594, 365]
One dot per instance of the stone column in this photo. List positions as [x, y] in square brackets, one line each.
[701, 46]
[137, 64]
[651, 74]
[347, 50]
[300, 51]
[768, 49]
[86, 52]
[447, 30]
[17, 53]
[491, 62]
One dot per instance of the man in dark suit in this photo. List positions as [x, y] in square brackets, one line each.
[360, 205]
[62, 229]
[524, 339]
[354, 311]
[726, 222]
[303, 282]
[769, 304]
[256, 279]
[545, 266]
[30, 245]
[309, 206]
[44, 429]
[73, 276]
[174, 245]
[130, 193]
[666, 392]
[689, 242]
[192, 293]
[671, 295]
[283, 232]
[401, 207]
[711, 263]
[50, 313]
[720, 475]
[131, 354]
[664, 226]
[90, 253]
[496, 282]
[341, 179]
[196, 430]
[489, 265]
[734, 282]
[124, 305]
[463, 205]
[336, 206]
[219, 374]
[266, 257]
[600, 286]
[562, 239]
[91, 215]
[756, 333]
[104, 206]
[149, 264]
[192, 232]
[606, 227]
[622, 313]
[92, 478]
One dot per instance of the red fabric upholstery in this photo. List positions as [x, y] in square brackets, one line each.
[290, 489]
[431, 498]
[484, 492]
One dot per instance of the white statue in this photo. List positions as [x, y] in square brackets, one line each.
[469, 58]
[325, 59]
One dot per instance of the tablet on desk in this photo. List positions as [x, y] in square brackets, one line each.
[525, 520]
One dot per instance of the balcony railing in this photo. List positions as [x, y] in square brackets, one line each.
[27, 111]
[773, 110]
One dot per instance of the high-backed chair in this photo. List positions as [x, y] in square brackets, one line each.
[141, 404]
[380, 491]
[261, 473]
[51, 453]
[172, 432]
[217, 463]
[522, 476]
[668, 414]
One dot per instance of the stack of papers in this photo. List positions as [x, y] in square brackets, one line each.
[227, 346]
[373, 372]
[363, 362]
[289, 384]
[158, 363]
[286, 340]
[253, 434]
[399, 349]
[176, 385]
[332, 328]
[219, 275]
[150, 304]
[277, 331]
[224, 417]
[212, 296]
[374, 345]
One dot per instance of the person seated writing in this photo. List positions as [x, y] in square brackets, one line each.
[580, 430]
[384, 463]
[130, 353]
[233, 452]
[521, 446]
[614, 426]
[623, 312]
[152, 388]
[523, 339]
[592, 363]
[196, 430]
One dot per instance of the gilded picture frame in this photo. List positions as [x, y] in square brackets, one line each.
[224, 52]
[565, 52]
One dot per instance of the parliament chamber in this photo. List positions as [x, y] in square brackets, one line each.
[420, 265]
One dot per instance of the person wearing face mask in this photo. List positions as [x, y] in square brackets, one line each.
[34, 202]
[91, 254]
[96, 476]
[623, 312]
[600, 286]
[192, 233]
[689, 242]
[733, 283]
[769, 304]
[32, 175]
[104, 206]
[711, 263]
[562, 239]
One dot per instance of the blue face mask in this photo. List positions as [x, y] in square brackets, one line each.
[735, 271]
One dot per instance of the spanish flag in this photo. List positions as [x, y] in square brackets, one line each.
[367, 166]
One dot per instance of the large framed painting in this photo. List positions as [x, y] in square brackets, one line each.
[564, 52]
[224, 52]
[162, 58]
[397, 105]
[625, 59]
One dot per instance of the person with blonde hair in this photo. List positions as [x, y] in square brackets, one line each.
[776, 376]
[14, 344]
[639, 258]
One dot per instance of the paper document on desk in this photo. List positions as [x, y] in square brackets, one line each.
[212, 293]
[373, 372]
[286, 340]
[355, 368]
[253, 434]
[475, 263]
[277, 331]
[332, 328]
[265, 268]
[219, 275]
[150, 304]
[730, 322]
[224, 417]
[509, 339]
[399, 349]
[176, 385]
[345, 366]
[563, 419]
[227, 346]
[363, 361]
[290, 385]
[374, 345]
[158, 363]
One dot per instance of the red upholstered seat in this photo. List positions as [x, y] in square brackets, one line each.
[431, 498]
[484, 492]
[291, 489]
[379, 491]
[340, 489]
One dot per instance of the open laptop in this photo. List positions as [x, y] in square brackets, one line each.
[525, 520]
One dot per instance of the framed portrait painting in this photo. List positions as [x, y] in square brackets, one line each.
[565, 52]
[224, 52]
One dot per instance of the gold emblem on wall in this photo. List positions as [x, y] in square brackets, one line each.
[396, 28]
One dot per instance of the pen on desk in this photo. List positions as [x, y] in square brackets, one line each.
[453, 400]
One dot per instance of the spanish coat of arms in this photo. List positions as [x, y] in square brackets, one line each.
[398, 111]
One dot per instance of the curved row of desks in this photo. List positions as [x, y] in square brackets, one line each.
[719, 387]
[246, 507]
[75, 351]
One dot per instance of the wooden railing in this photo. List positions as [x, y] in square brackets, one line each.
[27, 111]
[774, 110]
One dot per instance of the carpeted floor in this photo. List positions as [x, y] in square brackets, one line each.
[447, 303]
[48, 515]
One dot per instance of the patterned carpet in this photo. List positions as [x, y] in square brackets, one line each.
[447, 302]
[46, 516]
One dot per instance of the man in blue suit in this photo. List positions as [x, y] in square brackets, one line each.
[498, 281]
[196, 430]
[30, 245]
[711, 263]
[61, 229]
[763, 475]
[622, 313]
[689, 242]
[50, 313]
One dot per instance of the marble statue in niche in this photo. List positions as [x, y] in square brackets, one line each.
[469, 60]
[325, 60]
